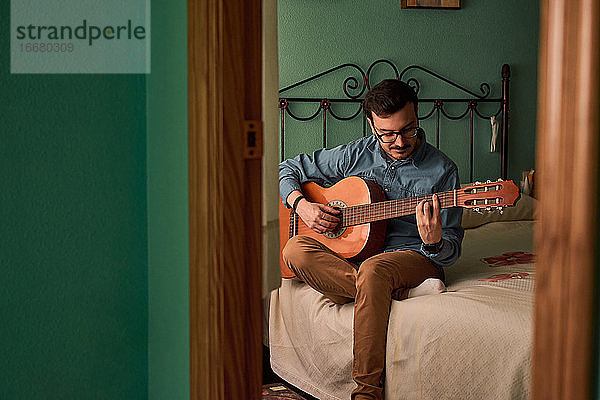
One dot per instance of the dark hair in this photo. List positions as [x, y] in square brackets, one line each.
[387, 97]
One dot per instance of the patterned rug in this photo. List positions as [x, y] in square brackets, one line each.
[277, 391]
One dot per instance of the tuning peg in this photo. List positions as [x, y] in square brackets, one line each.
[499, 180]
[488, 208]
[488, 181]
[501, 210]
[477, 183]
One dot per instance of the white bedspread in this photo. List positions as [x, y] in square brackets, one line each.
[472, 342]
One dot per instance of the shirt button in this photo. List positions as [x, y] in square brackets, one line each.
[387, 189]
[393, 167]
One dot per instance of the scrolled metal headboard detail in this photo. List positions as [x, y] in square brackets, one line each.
[355, 86]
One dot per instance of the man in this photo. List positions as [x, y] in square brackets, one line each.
[416, 247]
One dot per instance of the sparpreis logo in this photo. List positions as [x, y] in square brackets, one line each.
[80, 36]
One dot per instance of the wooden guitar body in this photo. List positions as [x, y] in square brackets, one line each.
[357, 242]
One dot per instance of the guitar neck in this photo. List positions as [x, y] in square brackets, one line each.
[366, 213]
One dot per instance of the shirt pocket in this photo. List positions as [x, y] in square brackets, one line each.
[369, 176]
[405, 192]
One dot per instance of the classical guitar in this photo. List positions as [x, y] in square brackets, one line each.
[364, 211]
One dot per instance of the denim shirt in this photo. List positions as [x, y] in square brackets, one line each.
[426, 171]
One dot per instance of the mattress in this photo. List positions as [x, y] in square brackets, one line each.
[472, 342]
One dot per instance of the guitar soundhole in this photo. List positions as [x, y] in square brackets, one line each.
[339, 232]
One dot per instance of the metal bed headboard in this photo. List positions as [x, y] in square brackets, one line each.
[472, 102]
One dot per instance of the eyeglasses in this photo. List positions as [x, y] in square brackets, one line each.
[392, 136]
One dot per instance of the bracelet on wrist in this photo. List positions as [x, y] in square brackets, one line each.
[295, 204]
[433, 248]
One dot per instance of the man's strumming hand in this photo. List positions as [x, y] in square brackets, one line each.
[318, 217]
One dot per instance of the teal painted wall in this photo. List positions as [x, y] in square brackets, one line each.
[94, 211]
[168, 299]
[468, 46]
[73, 286]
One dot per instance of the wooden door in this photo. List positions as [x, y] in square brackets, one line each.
[567, 158]
[224, 93]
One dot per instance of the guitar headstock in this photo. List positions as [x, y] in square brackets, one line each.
[488, 196]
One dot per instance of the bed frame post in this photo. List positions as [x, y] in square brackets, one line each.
[505, 119]
[283, 104]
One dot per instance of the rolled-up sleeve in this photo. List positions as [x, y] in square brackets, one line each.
[452, 230]
[324, 166]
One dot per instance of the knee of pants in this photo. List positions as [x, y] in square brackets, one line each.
[297, 249]
[372, 270]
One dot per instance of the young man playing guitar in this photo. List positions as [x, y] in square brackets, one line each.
[416, 247]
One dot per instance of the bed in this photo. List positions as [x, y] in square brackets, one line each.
[472, 342]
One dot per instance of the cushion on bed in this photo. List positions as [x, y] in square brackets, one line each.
[524, 210]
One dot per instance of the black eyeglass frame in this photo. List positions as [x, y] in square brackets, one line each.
[417, 131]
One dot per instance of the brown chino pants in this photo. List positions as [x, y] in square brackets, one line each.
[372, 286]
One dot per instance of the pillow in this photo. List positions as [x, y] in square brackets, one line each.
[523, 210]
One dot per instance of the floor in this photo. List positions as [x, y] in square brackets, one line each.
[271, 377]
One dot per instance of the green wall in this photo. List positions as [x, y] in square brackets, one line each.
[94, 249]
[73, 286]
[468, 46]
[168, 300]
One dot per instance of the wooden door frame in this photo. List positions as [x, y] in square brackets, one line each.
[223, 321]
[567, 158]
[224, 91]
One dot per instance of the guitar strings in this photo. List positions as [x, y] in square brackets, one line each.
[365, 213]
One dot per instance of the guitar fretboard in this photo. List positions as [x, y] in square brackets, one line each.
[366, 213]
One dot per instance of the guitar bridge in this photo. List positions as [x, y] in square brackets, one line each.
[293, 229]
